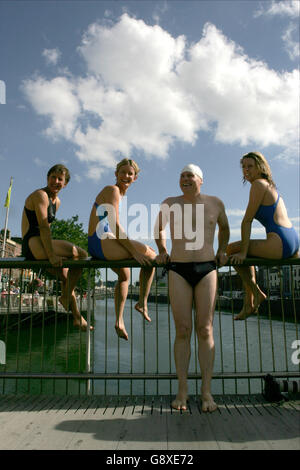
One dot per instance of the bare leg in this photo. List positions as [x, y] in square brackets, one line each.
[146, 278]
[181, 298]
[254, 295]
[205, 300]
[113, 250]
[121, 292]
[69, 277]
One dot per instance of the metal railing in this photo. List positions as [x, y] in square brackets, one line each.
[41, 351]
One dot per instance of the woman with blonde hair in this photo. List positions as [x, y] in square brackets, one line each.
[267, 206]
[107, 240]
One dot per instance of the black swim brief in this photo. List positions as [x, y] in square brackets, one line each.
[192, 272]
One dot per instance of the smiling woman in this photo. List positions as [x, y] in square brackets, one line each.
[37, 242]
[267, 206]
[107, 240]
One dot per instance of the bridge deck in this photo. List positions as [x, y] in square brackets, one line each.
[145, 423]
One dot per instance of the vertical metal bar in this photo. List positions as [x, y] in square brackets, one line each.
[43, 331]
[233, 330]
[270, 319]
[131, 329]
[220, 328]
[169, 335]
[105, 358]
[195, 343]
[55, 331]
[88, 334]
[19, 320]
[144, 348]
[283, 319]
[157, 337]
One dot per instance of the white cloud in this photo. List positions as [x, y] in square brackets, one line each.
[290, 8]
[52, 56]
[291, 40]
[56, 100]
[39, 162]
[235, 212]
[144, 90]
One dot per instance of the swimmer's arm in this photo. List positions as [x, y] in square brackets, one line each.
[223, 236]
[41, 202]
[160, 234]
[256, 195]
[112, 200]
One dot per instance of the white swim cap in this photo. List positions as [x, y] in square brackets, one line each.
[191, 168]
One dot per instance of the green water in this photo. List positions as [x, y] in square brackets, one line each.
[51, 347]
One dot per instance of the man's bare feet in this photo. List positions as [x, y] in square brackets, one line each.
[121, 332]
[179, 403]
[208, 403]
[143, 311]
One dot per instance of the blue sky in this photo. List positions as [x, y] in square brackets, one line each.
[164, 82]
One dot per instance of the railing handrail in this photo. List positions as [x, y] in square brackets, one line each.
[21, 262]
[268, 361]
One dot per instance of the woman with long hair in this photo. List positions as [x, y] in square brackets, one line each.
[265, 205]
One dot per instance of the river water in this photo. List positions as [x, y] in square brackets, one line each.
[55, 346]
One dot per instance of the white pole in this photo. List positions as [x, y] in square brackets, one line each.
[5, 232]
[7, 204]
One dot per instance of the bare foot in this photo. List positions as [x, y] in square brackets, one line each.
[65, 302]
[245, 313]
[180, 403]
[69, 304]
[80, 322]
[259, 297]
[208, 403]
[143, 311]
[121, 332]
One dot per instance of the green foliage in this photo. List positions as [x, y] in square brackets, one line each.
[70, 230]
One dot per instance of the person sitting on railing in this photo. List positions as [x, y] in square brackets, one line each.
[192, 275]
[107, 240]
[267, 206]
[37, 243]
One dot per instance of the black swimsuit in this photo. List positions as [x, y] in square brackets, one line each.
[34, 230]
[192, 272]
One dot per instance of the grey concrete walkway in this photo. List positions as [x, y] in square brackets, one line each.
[138, 423]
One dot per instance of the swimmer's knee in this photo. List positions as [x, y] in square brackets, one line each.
[183, 331]
[150, 252]
[205, 331]
[78, 253]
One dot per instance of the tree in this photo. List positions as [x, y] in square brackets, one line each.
[72, 231]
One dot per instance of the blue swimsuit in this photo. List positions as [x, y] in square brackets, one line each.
[288, 235]
[94, 241]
